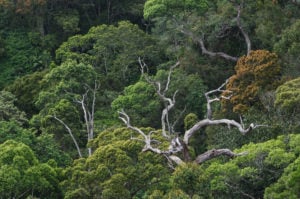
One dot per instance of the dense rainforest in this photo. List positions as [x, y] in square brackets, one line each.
[158, 99]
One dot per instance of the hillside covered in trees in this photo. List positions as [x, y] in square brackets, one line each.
[158, 99]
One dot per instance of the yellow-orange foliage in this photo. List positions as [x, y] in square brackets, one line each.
[255, 73]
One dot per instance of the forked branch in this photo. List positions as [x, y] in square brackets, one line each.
[199, 40]
[177, 144]
[169, 102]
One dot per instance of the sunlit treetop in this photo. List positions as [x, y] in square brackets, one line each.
[156, 8]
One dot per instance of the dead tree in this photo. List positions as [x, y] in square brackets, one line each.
[177, 144]
[89, 112]
[88, 115]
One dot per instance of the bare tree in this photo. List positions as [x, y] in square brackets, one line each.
[88, 114]
[177, 144]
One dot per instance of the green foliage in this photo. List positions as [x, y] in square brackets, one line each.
[32, 30]
[190, 120]
[22, 175]
[117, 169]
[288, 49]
[288, 96]
[246, 175]
[68, 20]
[13, 131]
[141, 99]
[44, 145]
[26, 90]
[155, 8]
[8, 111]
[62, 87]
[288, 184]
[188, 178]
[113, 51]
[21, 57]
[226, 137]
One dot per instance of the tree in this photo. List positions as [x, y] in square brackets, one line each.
[30, 9]
[113, 52]
[248, 176]
[288, 49]
[288, 96]
[185, 21]
[8, 111]
[71, 91]
[23, 176]
[117, 169]
[154, 8]
[26, 90]
[287, 185]
[178, 145]
[141, 99]
[21, 56]
[256, 73]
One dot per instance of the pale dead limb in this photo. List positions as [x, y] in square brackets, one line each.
[147, 138]
[88, 114]
[209, 100]
[208, 122]
[199, 39]
[178, 145]
[169, 102]
[70, 133]
[204, 50]
[215, 153]
[244, 33]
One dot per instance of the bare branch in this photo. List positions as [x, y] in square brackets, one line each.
[215, 153]
[88, 113]
[199, 39]
[244, 33]
[147, 138]
[177, 145]
[176, 159]
[209, 101]
[215, 54]
[169, 102]
[125, 118]
[205, 51]
[208, 122]
[70, 132]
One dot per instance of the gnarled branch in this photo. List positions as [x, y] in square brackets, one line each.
[199, 39]
[204, 50]
[176, 143]
[215, 153]
[169, 102]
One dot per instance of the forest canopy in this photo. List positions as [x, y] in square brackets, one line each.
[149, 99]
